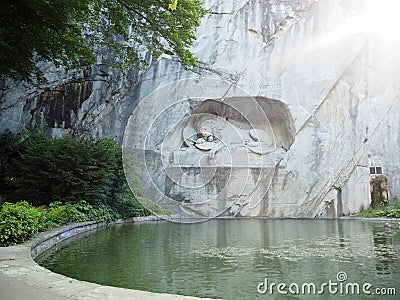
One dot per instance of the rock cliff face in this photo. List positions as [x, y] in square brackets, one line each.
[337, 87]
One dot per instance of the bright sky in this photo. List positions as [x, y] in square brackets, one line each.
[380, 17]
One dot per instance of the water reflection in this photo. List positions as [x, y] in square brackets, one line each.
[228, 258]
[384, 250]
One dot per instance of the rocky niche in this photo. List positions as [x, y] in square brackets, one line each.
[219, 157]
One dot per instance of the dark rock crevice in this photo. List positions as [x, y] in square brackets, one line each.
[58, 107]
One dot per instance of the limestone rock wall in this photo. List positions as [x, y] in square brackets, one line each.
[339, 87]
[72, 102]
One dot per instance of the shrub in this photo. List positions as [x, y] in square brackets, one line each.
[392, 210]
[128, 205]
[58, 214]
[96, 213]
[10, 145]
[45, 169]
[19, 222]
[103, 213]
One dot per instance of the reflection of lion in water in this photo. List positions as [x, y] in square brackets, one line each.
[212, 133]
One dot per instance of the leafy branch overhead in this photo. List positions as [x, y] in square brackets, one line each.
[73, 32]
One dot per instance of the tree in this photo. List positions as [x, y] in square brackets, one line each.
[10, 146]
[70, 32]
[65, 169]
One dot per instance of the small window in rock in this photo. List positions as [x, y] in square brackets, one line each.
[378, 170]
[375, 170]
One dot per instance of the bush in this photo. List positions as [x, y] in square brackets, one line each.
[19, 222]
[67, 169]
[94, 213]
[104, 213]
[128, 205]
[10, 145]
[392, 210]
[42, 169]
[58, 214]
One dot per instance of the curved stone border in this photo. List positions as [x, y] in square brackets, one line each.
[22, 278]
[49, 239]
[149, 218]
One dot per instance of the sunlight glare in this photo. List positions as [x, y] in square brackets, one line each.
[380, 18]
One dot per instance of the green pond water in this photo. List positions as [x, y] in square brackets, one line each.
[233, 259]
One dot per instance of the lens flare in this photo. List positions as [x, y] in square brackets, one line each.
[380, 19]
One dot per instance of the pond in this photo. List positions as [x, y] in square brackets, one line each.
[240, 259]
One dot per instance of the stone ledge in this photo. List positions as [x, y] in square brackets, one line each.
[149, 218]
[49, 239]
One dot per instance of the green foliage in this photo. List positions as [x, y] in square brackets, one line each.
[19, 222]
[66, 169]
[92, 213]
[44, 170]
[154, 207]
[55, 175]
[384, 211]
[59, 214]
[128, 205]
[10, 145]
[173, 4]
[68, 32]
[104, 213]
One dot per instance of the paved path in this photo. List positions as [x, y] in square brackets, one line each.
[14, 289]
